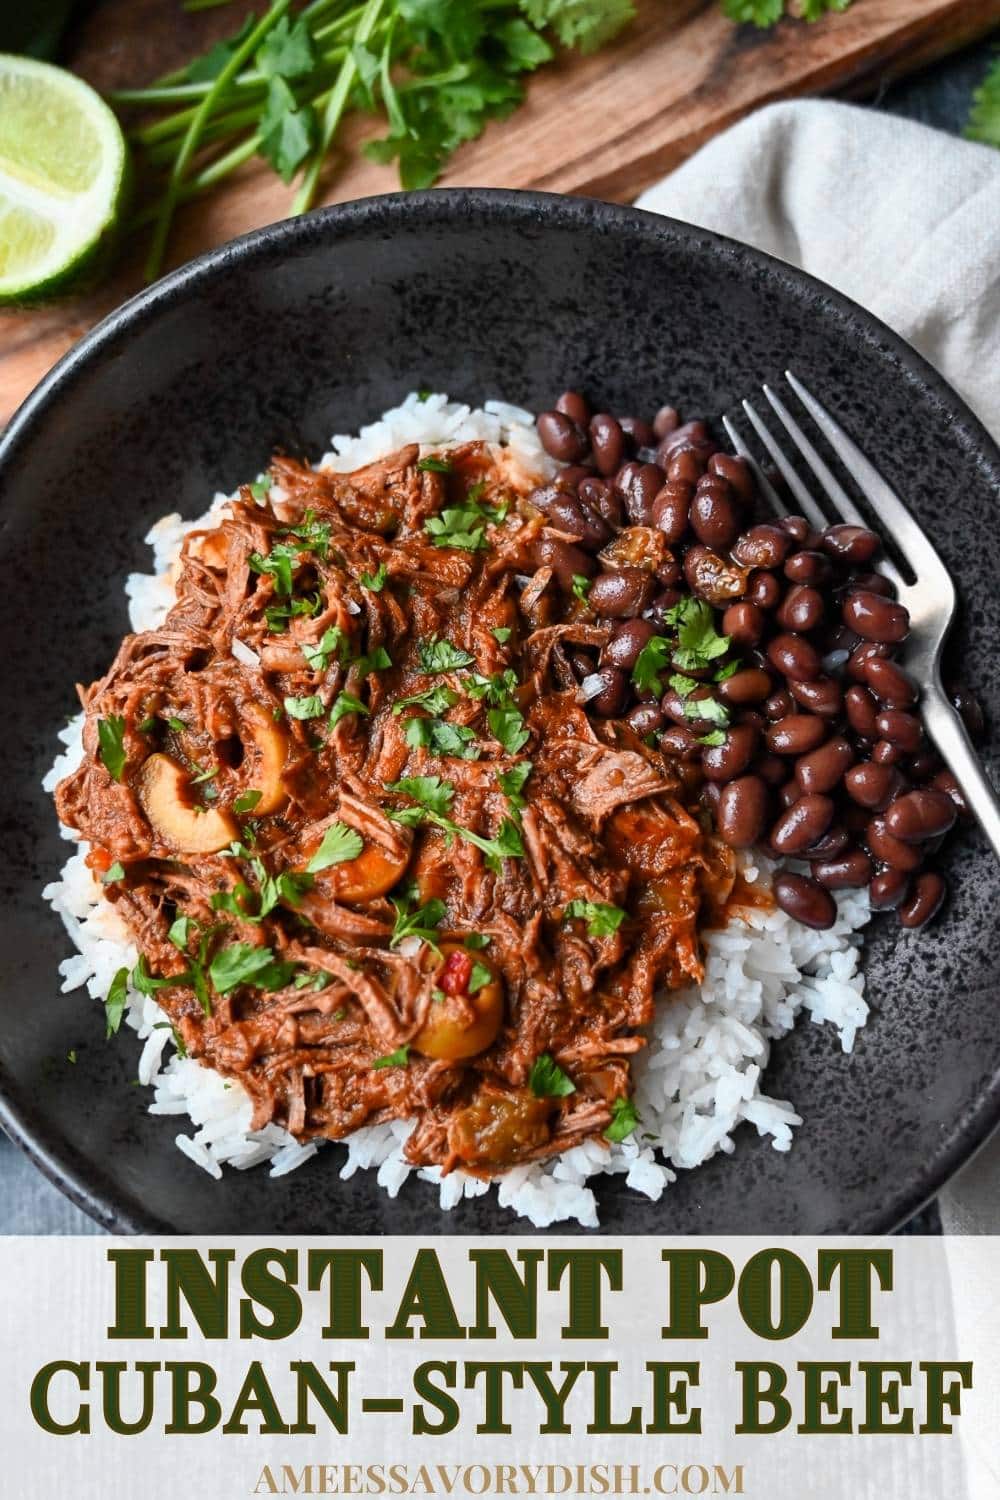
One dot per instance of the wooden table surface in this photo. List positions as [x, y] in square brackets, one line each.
[605, 126]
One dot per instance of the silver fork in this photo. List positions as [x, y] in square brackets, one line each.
[930, 599]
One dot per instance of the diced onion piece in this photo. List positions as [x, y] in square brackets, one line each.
[590, 687]
[244, 654]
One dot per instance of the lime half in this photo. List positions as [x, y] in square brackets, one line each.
[62, 173]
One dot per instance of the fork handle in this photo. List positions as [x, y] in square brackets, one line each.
[951, 738]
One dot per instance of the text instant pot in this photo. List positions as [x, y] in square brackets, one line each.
[555, 1299]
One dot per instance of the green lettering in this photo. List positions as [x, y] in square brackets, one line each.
[697, 1278]
[345, 1267]
[426, 1296]
[856, 1268]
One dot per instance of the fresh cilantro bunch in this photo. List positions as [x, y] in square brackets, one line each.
[765, 13]
[434, 71]
[984, 117]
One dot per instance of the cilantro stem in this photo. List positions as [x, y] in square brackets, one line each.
[335, 107]
[189, 145]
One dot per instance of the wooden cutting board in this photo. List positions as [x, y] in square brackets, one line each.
[606, 126]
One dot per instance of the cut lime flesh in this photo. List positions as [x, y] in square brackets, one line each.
[62, 170]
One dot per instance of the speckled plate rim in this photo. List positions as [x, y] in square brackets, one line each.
[82, 1180]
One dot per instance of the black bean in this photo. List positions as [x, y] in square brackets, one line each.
[804, 900]
[574, 406]
[801, 609]
[846, 872]
[875, 618]
[821, 696]
[689, 434]
[639, 484]
[856, 665]
[923, 765]
[832, 845]
[566, 560]
[736, 471]
[764, 590]
[621, 594]
[638, 432]
[794, 656]
[599, 495]
[607, 442]
[872, 785]
[644, 718]
[929, 892]
[796, 734]
[885, 753]
[888, 888]
[919, 815]
[671, 509]
[802, 824]
[945, 782]
[890, 850]
[748, 686]
[771, 768]
[574, 516]
[779, 705]
[798, 528]
[741, 813]
[821, 769]
[729, 760]
[889, 682]
[808, 567]
[712, 576]
[714, 515]
[610, 701]
[666, 421]
[686, 467]
[763, 546]
[680, 742]
[970, 712]
[861, 710]
[625, 642]
[744, 623]
[900, 729]
[560, 436]
[851, 544]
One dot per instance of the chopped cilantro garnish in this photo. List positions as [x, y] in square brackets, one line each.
[71, 1055]
[457, 527]
[115, 1002]
[581, 586]
[305, 708]
[729, 670]
[698, 641]
[339, 844]
[624, 1119]
[512, 783]
[261, 487]
[420, 921]
[177, 725]
[178, 1039]
[111, 744]
[277, 615]
[602, 919]
[375, 581]
[147, 724]
[707, 708]
[376, 660]
[113, 873]
[179, 933]
[651, 661]
[432, 465]
[547, 1079]
[507, 727]
[436, 700]
[682, 685]
[479, 976]
[242, 963]
[397, 1059]
[247, 801]
[441, 738]
[476, 940]
[433, 797]
[279, 564]
[713, 737]
[207, 775]
[502, 633]
[318, 654]
[429, 792]
[344, 704]
[498, 689]
[312, 535]
[442, 656]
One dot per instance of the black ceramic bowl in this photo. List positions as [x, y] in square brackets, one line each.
[314, 326]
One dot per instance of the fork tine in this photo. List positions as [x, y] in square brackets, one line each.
[765, 486]
[835, 491]
[907, 534]
[810, 509]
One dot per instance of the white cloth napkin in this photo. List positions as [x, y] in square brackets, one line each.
[905, 221]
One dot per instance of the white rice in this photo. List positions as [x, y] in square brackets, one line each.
[700, 1076]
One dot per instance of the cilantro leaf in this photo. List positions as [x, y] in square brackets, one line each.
[242, 963]
[204, 69]
[479, 977]
[682, 686]
[547, 1079]
[111, 744]
[507, 727]
[375, 581]
[501, 634]
[318, 654]
[260, 488]
[420, 921]
[457, 527]
[436, 700]
[713, 737]
[583, 24]
[602, 919]
[698, 641]
[709, 709]
[247, 801]
[441, 738]
[113, 873]
[442, 656]
[476, 940]
[286, 130]
[429, 792]
[651, 661]
[761, 13]
[338, 844]
[279, 564]
[344, 704]
[287, 51]
[397, 1059]
[432, 465]
[624, 1119]
[984, 117]
[115, 1003]
[512, 783]
[277, 615]
[375, 660]
[581, 587]
[310, 707]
